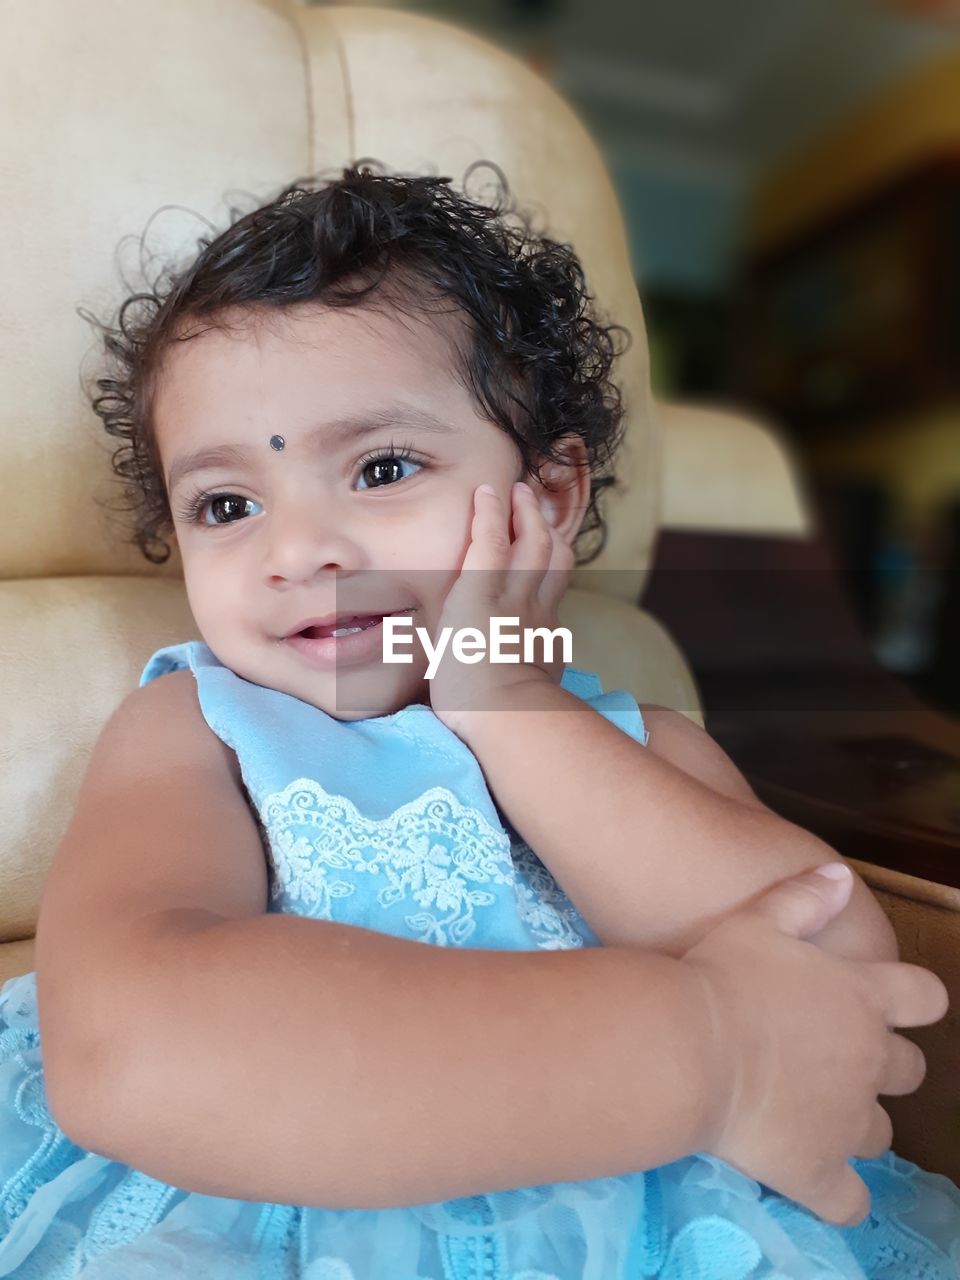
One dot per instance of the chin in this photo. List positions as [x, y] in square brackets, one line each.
[364, 694]
[360, 708]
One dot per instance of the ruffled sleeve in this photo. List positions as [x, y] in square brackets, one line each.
[618, 706]
[173, 657]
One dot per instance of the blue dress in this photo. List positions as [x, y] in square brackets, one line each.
[387, 823]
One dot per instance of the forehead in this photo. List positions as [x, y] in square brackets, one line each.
[307, 341]
[270, 368]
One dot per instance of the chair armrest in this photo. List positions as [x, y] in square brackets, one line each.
[726, 471]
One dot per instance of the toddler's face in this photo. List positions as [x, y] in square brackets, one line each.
[317, 528]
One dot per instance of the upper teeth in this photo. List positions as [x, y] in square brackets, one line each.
[346, 631]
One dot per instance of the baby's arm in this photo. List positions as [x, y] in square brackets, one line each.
[286, 1059]
[301, 1061]
[653, 844]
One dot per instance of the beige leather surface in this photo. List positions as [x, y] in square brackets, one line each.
[15, 958]
[727, 471]
[73, 649]
[107, 112]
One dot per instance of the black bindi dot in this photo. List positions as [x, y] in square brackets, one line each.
[277, 442]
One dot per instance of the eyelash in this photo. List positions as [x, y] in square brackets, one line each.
[193, 507]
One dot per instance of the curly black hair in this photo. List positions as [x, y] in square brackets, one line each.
[540, 359]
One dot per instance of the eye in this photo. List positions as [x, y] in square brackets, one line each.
[385, 464]
[196, 506]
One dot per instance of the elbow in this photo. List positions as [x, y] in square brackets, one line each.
[80, 1096]
[862, 930]
[78, 1072]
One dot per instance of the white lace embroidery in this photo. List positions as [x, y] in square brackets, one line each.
[432, 851]
[543, 905]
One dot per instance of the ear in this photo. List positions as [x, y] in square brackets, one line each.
[563, 490]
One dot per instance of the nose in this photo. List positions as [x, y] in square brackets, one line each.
[309, 535]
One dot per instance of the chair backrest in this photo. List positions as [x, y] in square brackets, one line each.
[110, 112]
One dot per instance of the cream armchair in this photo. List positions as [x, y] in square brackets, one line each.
[111, 111]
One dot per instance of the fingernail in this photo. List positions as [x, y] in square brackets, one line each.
[834, 871]
[524, 488]
[486, 488]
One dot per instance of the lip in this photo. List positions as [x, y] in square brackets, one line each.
[329, 619]
[333, 652]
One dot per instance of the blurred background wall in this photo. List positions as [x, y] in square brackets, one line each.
[790, 176]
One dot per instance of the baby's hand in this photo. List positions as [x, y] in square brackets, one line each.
[526, 580]
[804, 1044]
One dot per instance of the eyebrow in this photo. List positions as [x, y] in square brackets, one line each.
[340, 432]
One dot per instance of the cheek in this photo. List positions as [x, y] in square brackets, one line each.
[437, 539]
[429, 551]
[207, 592]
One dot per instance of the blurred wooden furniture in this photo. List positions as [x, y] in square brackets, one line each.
[849, 321]
[789, 688]
[793, 693]
[853, 319]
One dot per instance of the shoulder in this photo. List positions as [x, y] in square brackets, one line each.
[172, 691]
[169, 706]
[680, 741]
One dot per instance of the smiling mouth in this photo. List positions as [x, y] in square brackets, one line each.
[349, 625]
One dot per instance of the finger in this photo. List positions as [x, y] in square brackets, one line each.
[905, 1069]
[556, 580]
[489, 552]
[879, 1136]
[802, 905]
[534, 545]
[843, 1202]
[906, 994]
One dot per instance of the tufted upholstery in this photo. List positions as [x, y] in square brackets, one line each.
[110, 110]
